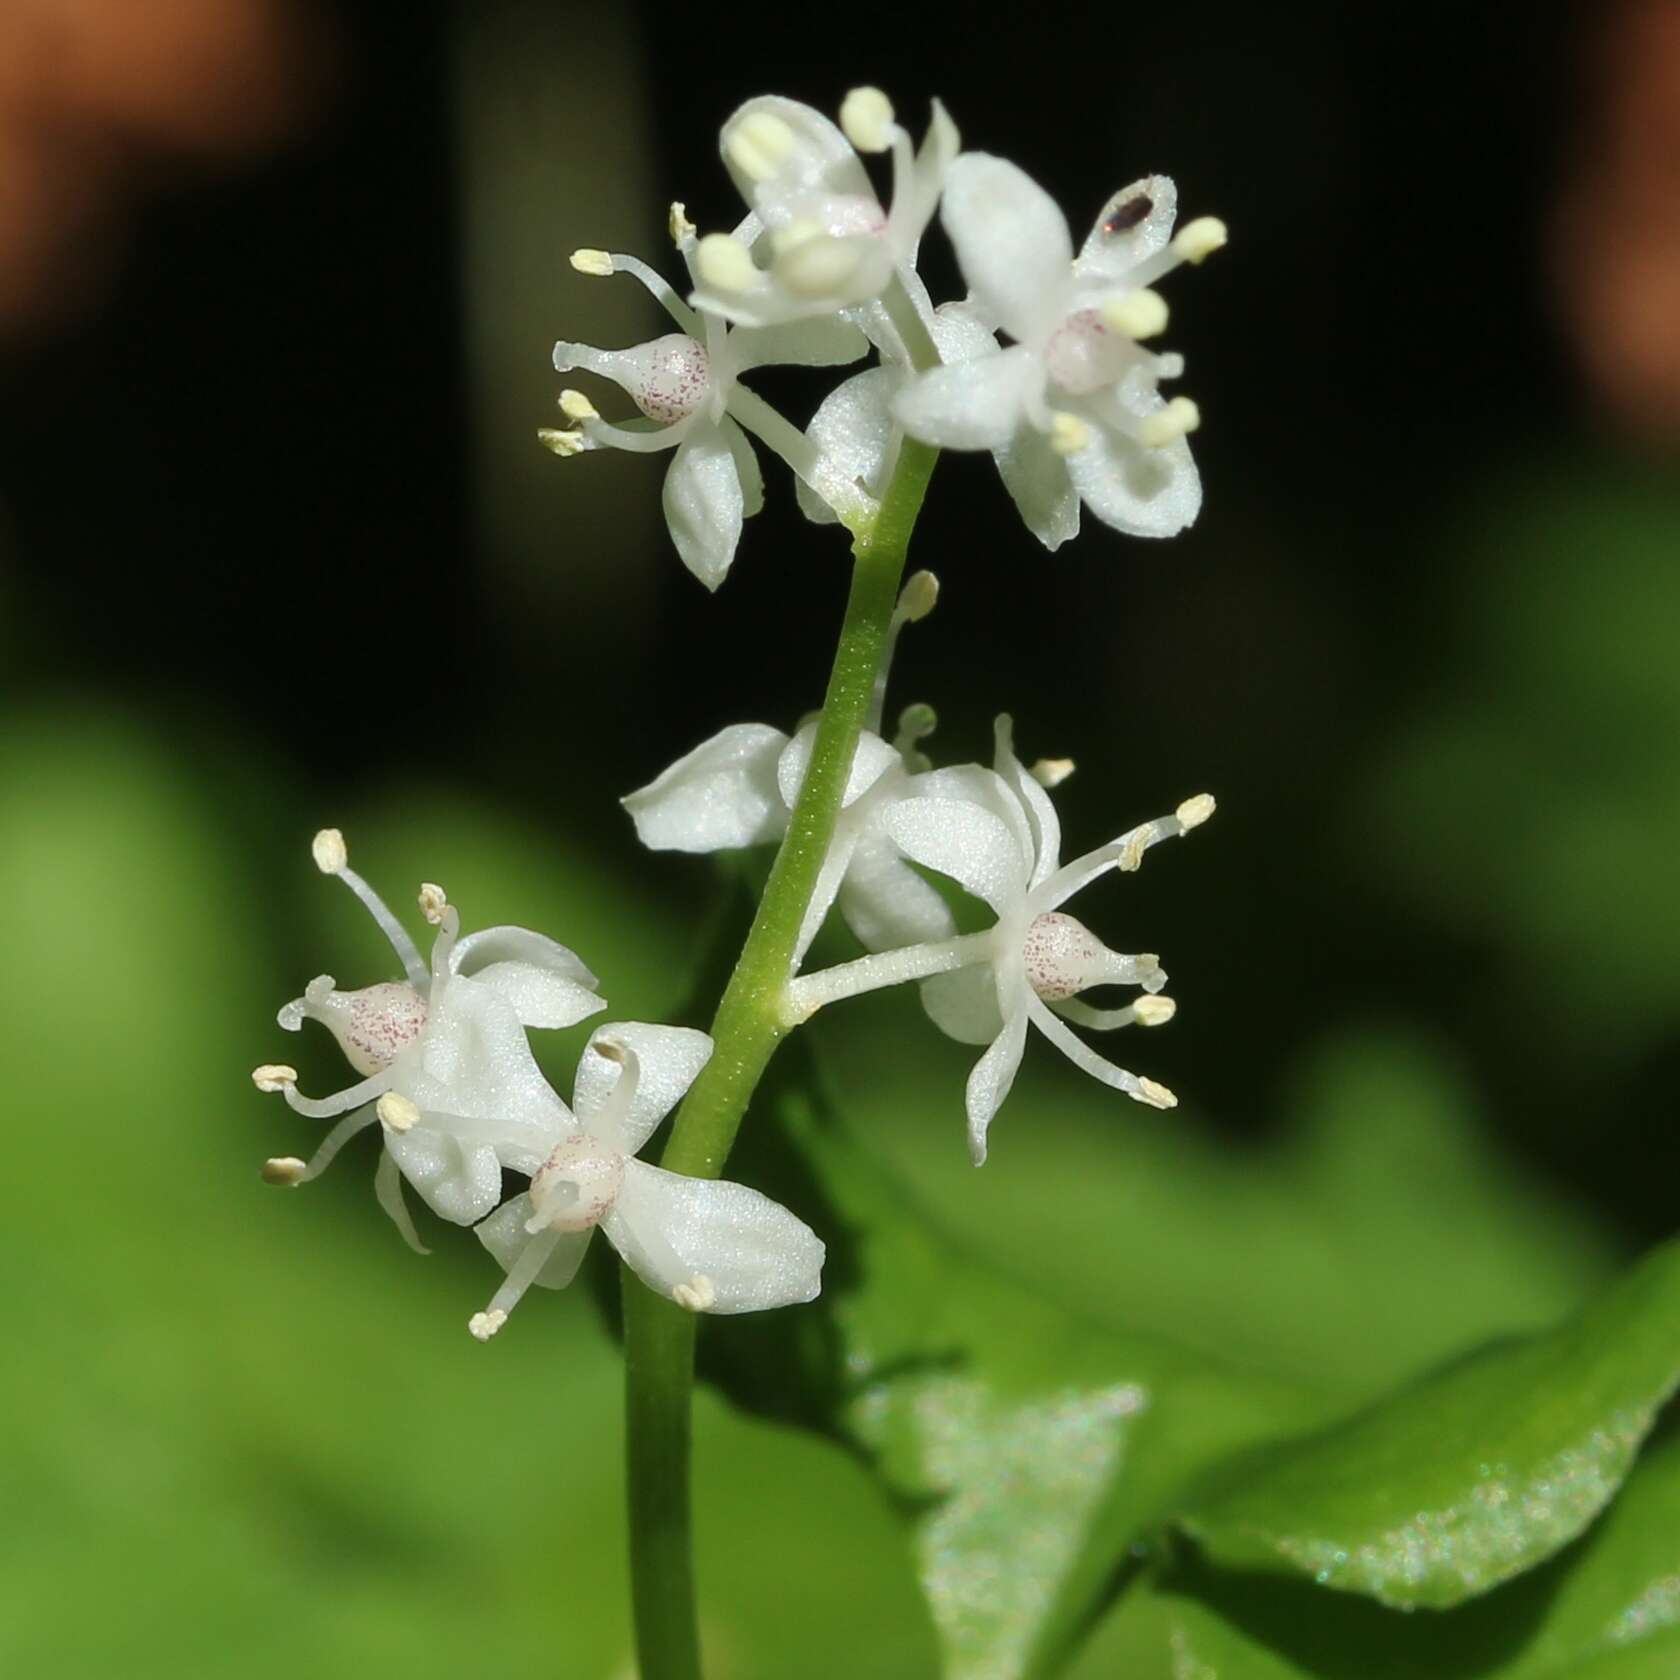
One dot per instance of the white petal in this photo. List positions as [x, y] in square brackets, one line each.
[721, 795]
[959, 334]
[387, 1188]
[704, 505]
[751, 1252]
[974, 405]
[964, 1004]
[474, 951]
[1106, 257]
[994, 1073]
[1038, 481]
[920, 193]
[669, 1060]
[458, 1180]
[1143, 492]
[539, 996]
[819, 169]
[826, 341]
[853, 432]
[886, 903]
[504, 1234]
[1012, 243]
[1035, 802]
[747, 468]
[976, 849]
[872, 760]
[829, 879]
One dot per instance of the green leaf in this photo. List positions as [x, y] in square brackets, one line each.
[1029, 1449]
[1471, 1476]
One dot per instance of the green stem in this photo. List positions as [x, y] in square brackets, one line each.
[658, 1335]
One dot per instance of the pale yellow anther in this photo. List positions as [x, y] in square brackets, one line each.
[866, 119]
[329, 851]
[817, 266]
[919, 596]
[273, 1076]
[576, 406]
[283, 1169]
[562, 443]
[1197, 241]
[722, 261]
[1178, 419]
[1194, 812]
[699, 1294]
[1154, 1011]
[1139, 314]
[1068, 433]
[677, 224]
[1051, 772]
[759, 144]
[433, 902]
[484, 1325]
[396, 1113]
[1156, 1095]
[587, 260]
[794, 234]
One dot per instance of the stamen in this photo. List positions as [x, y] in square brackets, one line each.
[576, 406]
[1154, 1011]
[587, 260]
[677, 224]
[1068, 433]
[723, 262]
[329, 851]
[759, 144]
[565, 444]
[699, 1294]
[819, 266]
[919, 596]
[1197, 241]
[866, 119]
[794, 234]
[1194, 812]
[283, 1169]
[433, 902]
[396, 1113]
[1178, 419]
[1052, 772]
[1139, 314]
[273, 1076]
[484, 1325]
[1154, 1094]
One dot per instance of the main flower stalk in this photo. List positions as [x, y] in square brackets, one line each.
[750, 1023]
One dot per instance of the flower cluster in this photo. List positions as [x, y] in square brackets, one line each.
[449, 1078]
[819, 271]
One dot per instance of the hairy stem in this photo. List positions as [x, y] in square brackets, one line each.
[658, 1335]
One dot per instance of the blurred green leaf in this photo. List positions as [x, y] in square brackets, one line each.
[1470, 1476]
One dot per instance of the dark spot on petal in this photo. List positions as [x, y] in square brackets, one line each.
[1127, 216]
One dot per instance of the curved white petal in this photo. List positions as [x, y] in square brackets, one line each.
[825, 341]
[504, 1234]
[474, 951]
[973, 405]
[1012, 244]
[1135, 223]
[388, 1191]
[853, 433]
[828, 883]
[704, 504]
[1040, 485]
[964, 1004]
[722, 795]
[668, 1059]
[738, 1249]
[959, 333]
[747, 468]
[1041, 815]
[816, 173]
[872, 760]
[458, 1179]
[540, 997]
[977, 849]
[886, 903]
[995, 1072]
[916, 199]
[1143, 492]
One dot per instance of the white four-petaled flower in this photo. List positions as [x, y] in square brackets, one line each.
[707, 1244]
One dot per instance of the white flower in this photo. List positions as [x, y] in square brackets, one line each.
[687, 386]
[709, 1245]
[830, 244]
[447, 1069]
[1072, 406]
[739, 787]
[996, 834]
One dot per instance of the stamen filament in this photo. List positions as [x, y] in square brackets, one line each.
[811, 992]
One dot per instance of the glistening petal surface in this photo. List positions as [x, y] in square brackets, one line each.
[668, 1061]
[721, 795]
[1012, 243]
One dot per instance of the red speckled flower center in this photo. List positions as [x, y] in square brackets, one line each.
[676, 380]
[577, 1185]
[381, 1023]
[1062, 956]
